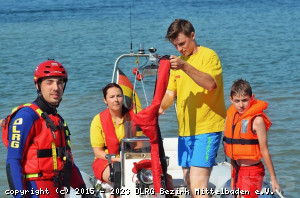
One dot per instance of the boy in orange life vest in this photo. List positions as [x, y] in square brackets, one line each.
[245, 138]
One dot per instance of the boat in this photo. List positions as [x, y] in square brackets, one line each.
[129, 183]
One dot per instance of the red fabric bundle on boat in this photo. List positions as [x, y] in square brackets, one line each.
[147, 120]
[143, 164]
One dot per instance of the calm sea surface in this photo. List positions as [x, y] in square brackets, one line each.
[255, 40]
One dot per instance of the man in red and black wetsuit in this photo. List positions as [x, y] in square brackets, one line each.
[39, 161]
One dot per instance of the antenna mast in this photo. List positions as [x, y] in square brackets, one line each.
[130, 29]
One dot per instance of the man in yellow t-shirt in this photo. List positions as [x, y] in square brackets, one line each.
[196, 80]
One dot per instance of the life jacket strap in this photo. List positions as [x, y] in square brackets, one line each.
[67, 134]
[236, 167]
[240, 141]
[50, 124]
[60, 151]
[54, 156]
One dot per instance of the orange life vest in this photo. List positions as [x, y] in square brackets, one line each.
[240, 140]
[46, 155]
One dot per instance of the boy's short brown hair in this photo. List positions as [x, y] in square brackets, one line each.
[240, 87]
[178, 26]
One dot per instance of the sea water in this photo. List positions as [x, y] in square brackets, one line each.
[255, 40]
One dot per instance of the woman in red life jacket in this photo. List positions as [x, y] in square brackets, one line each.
[107, 130]
[245, 138]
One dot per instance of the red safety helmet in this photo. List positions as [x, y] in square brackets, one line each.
[49, 68]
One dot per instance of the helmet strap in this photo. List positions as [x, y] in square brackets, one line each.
[65, 86]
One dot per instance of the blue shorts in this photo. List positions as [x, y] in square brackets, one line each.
[199, 150]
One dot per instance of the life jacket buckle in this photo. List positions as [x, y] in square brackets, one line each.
[243, 141]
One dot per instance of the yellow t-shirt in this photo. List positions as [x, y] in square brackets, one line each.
[199, 111]
[97, 135]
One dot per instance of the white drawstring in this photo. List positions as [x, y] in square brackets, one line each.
[279, 193]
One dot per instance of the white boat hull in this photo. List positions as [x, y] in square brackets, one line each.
[219, 179]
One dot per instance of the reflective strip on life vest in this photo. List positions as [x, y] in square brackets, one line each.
[14, 109]
[67, 133]
[39, 111]
[31, 175]
[21, 106]
[54, 156]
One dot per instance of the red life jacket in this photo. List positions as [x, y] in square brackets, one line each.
[240, 141]
[147, 120]
[5, 123]
[46, 155]
[111, 139]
